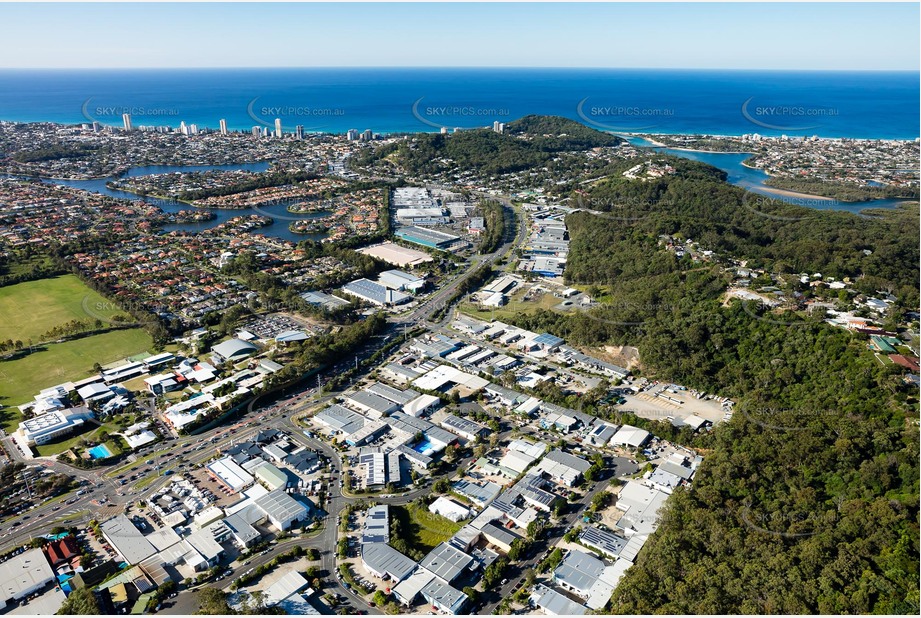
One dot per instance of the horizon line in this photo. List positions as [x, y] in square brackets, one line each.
[455, 67]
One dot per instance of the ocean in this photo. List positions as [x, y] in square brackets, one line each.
[877, 105]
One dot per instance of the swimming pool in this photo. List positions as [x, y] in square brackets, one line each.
[100, 451]
[425, 447]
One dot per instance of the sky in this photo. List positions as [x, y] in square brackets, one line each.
[846, 36]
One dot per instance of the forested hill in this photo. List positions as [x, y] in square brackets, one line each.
[527, 143]
[807, 500]
[694, 202]
[557, 134]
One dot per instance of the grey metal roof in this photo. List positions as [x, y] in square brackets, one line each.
[377, 525]
[570, 461]
[381, 558]
[447, 562]
[372, 401]
[242, 529]
[341, 418]
[394, 395]
[603, 540]
[127, 539]
[503, 535]
[579, 570]
[281, 506]
[554, 603]
[463, 424]
[436, 591]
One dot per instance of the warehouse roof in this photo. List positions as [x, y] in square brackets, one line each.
[447, 562]
[381, 558]
[127, 539]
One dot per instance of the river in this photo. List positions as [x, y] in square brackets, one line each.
[753, 179]
[280, 216]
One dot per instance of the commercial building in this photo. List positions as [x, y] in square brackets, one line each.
[605, 541]
[270, 476]
[500, 537]
[578, 572]
[371, 430]
[397, 255]
[480, 493]
[321, 299]
[448, 562]
[421, 405]
[394, 395]
[377, 525]
[555, 604]
[444, 597]
[24, 575]
[463, 427]
[341, 419]
[516, 462]
[428, 238]
[52, 425]
[288, 584]
[380, 559]
[281, 509]
[370, 404]
[126, 539]
[628, 435]
[563, 468]
[449, 509]
[375, 293]
[230, 474]
[641, 505]
[401, 281]
[399, 374]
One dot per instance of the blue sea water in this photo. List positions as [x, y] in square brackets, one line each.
[880, 105]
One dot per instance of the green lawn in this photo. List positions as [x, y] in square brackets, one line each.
[23, 378]
[515, 306]
[89, 434]
[32, 308]
[426, 530]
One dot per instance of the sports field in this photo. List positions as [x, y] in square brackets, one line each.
[23, 378]
[31, 309]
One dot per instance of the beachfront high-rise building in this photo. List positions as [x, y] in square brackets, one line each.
[96, 126]
[367, 135]
[444, 130]
[498, 127]
[193, 129]
[278, 127]
[223, 127]
[352, 135]
[183, 128]
[256, 131]
[299, 131]
[126, 121]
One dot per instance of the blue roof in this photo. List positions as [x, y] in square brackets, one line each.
[548, 340]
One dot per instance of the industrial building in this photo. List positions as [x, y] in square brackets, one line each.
[126, 539]
[380, 559]
[563, 468]
[24, 575]
[375, 293]
[428, 238]
[463, 427]
[401, 281]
